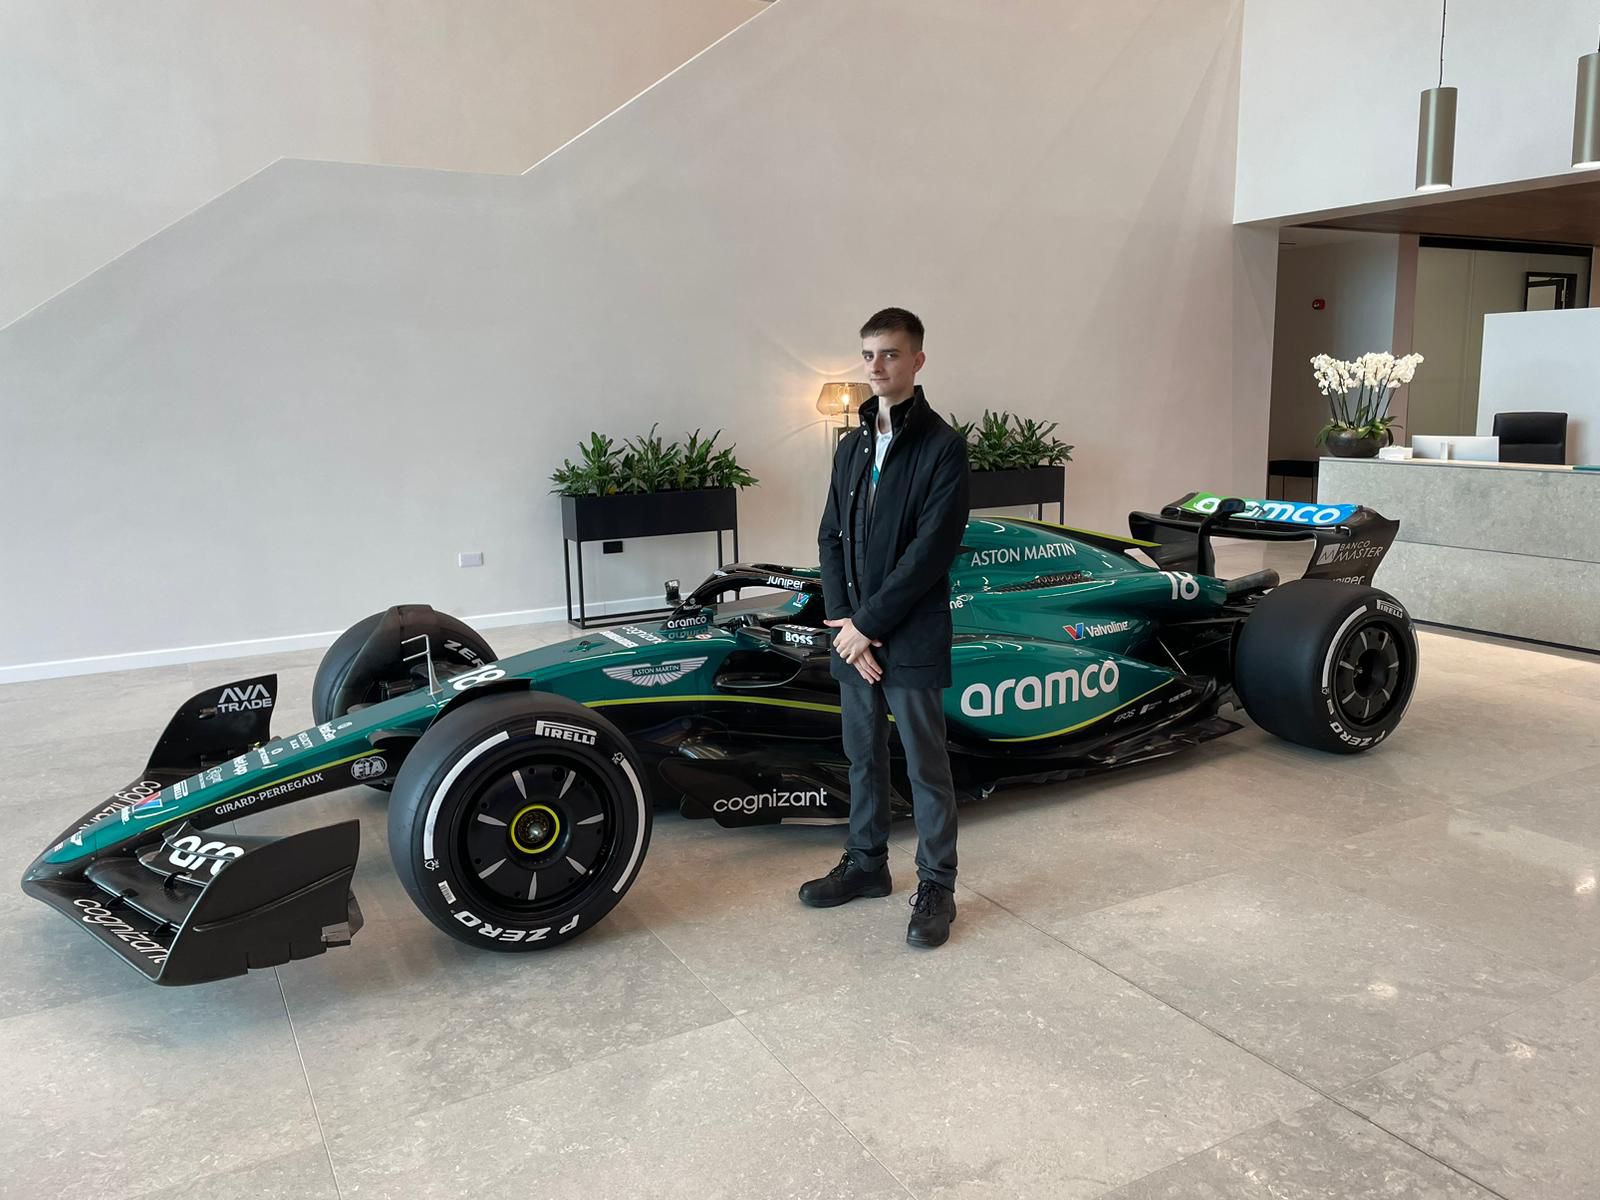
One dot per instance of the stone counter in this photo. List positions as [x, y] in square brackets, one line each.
[1501, 548]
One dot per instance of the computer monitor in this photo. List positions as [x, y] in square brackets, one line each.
[1456, 449]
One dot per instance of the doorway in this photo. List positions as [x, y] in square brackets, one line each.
[1459, 281]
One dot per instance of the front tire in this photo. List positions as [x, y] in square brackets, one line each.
[375, 660]
[372, 660]
[519, 821]
[1327, 665]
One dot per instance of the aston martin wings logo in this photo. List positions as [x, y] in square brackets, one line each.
[655, 674]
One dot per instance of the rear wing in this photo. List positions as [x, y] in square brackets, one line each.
[1351, 539]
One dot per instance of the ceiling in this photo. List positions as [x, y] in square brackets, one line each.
[1308, 235]
[1564, 210]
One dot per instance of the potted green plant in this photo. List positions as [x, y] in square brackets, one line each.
[648, 486]
[1013, 461]
[1358, 395]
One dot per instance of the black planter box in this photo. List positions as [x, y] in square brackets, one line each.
[1025, 485]
[648, 514]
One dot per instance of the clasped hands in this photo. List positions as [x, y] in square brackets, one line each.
[855, 648]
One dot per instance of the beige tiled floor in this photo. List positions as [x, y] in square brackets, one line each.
[1250, 972]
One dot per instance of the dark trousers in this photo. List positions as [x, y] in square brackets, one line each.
[919, 716]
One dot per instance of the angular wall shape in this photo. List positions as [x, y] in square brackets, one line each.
[136, 114]
[299, 404]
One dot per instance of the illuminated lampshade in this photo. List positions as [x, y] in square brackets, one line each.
[1436, 127]
[1586, 116]
[842, 399]
[1436, 139]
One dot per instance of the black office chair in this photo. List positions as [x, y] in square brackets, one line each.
[1532, 437]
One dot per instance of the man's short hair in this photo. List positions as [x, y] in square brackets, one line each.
[895, 320]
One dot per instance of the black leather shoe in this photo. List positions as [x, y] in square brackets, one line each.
[933, 907]
[845, 882]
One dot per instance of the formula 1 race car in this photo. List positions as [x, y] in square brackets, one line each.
[522, 789]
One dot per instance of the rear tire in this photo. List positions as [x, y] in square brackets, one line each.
[1327, 665]
[519, 820]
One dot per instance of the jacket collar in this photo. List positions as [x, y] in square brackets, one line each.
[911, 410]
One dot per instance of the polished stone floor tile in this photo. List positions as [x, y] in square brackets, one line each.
[1523, 893]
[1238, 791]
[707, 1113]
[1565, 807]
[1474, 742]
[1054, 851]
[406, 1019]
[1337, 916]
[1581, 679]
[1006, 1065]
[49, 964]
[1327, 985]
[215, 671]
[49, 710]
[304, 1175]
[1454, 664]
[80, 689]
[1515, 1105]
[45, 961]
[724, 902]
[1473, 660]
[151, 1088]
[1320, 1153]
[69, 776]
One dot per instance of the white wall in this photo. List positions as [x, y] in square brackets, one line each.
[1329, 94]
[1545, 362]
[296, 406]
[123, 117]
[1456, 288]
[1355, 275]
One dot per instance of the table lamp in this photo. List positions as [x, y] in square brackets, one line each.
[842, 400]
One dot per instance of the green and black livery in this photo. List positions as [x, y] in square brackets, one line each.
[522, 789]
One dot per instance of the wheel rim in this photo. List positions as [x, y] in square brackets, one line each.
[533, 832]
[1368, 675]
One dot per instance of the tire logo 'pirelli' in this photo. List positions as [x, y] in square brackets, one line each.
[565, 733]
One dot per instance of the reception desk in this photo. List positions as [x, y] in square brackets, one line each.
[1504, 548]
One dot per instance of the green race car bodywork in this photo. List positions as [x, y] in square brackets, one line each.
[1069, 655]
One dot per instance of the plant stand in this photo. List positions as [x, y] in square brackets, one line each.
[1025, 485]
[586, 519]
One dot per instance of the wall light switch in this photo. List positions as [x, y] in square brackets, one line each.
[470, 558]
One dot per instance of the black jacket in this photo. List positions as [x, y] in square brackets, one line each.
[888, 569]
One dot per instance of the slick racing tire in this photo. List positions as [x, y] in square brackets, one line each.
[519, 820]
[367, 665]
[1327, 665]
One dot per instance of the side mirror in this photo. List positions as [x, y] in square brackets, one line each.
[1230, 507]
[674, 596]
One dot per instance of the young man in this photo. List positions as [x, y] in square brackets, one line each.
[896, 511]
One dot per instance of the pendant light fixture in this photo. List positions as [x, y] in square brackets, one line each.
[1436, 127]
[1586, 115]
